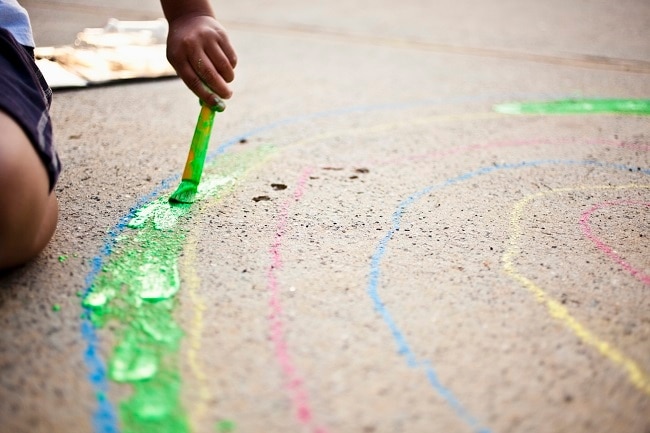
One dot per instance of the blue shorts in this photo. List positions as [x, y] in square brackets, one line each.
[25, 96]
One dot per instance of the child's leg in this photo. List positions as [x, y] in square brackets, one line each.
[29, 165]
[28, 211]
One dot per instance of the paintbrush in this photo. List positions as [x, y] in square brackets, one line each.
[186, 191]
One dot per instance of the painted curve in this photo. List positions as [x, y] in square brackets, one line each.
[104, 417]
[635, 374]
[403, 347]
[294, 383]
[606, 249]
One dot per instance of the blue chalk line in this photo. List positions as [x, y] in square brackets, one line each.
[104, 418]
[403, 348]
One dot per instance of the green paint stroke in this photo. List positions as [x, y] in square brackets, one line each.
[135, 294]
[225, 426]
[577, 106]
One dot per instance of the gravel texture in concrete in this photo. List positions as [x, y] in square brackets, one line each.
[376, 249]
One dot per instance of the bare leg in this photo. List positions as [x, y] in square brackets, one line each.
[28, 212]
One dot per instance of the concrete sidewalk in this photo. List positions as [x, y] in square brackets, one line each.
[376, 248]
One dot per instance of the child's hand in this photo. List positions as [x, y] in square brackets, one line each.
[199, 49]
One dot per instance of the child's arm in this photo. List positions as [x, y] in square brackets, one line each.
[199, 49]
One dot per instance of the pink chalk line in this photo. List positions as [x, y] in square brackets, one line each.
[586, 230]
[293, 382]
[509, 143]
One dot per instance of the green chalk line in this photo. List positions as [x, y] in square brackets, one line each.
[577, 106]
[225, 426]
[135, 294]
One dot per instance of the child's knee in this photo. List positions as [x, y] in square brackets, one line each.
[25, 232]
[28, 211]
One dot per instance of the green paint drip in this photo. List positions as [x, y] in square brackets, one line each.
[63, 258]
[56, 307]
[577, 106]
[135, 292]
[225, 426]
[165, 216]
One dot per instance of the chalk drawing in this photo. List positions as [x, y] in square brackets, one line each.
[459, 150]
[586, 230]
[104, 418]
[192, 284]
[189, 272]
[374, 280]
[135, 290]
[391, 126]
[293, 381]
[639, 378]
[578, 106]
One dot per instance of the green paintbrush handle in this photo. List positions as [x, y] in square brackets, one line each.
[199, 146]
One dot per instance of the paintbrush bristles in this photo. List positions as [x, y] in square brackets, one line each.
[185, 193]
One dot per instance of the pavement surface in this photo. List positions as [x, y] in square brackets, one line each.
[375, 249]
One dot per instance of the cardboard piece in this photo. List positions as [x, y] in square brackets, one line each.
[122, 50]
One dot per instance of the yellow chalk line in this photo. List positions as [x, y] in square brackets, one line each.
[188, 262]
[384, 127]
[635, 373]
[192, 282]
[191, 285]
[189, 259]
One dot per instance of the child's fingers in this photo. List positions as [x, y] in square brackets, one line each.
[228, 50]
[220, 62]
[194, 82]
[199, 50]
[207, 72]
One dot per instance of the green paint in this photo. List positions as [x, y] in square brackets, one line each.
[217, 102]
[135, 290]
[135, 293]
[56, 307]
[165, 217]
[63, 258]
[185, 193]
[577, 106]
[225, 426]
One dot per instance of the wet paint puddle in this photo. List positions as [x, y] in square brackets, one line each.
[135, 292]
[135, 295]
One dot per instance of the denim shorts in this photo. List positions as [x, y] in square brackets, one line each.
[26, 97]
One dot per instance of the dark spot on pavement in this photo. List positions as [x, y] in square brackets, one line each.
[278, 186]
[261, 198]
